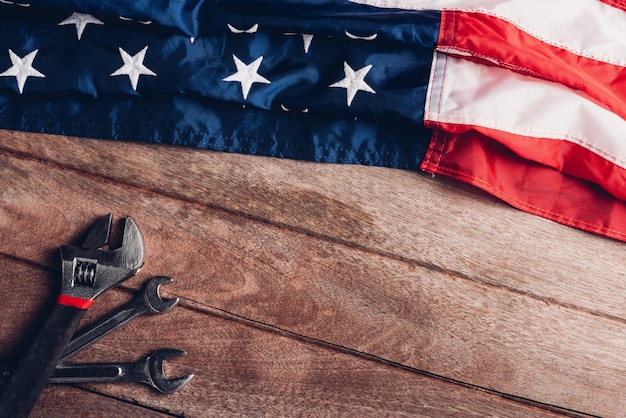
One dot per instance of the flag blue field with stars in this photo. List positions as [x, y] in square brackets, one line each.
[506, 95]
[317, 80]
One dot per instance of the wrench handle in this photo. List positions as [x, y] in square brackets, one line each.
[20, 391]
[93, 334]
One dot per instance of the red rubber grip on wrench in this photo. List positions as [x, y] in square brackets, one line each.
[74, 302]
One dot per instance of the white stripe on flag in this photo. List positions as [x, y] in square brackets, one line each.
[538, 120]
[464, 92]
[588, 28]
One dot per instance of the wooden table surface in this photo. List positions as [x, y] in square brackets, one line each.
[316, 289]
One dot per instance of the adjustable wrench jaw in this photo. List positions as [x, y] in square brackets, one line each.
[87, 271]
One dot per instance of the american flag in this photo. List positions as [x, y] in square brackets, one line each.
[523, 98]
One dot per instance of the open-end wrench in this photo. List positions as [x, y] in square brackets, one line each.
[148, 370]
[87, 271]
[149, 301]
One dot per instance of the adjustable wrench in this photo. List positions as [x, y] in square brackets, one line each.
[87, 271]
[149, 301]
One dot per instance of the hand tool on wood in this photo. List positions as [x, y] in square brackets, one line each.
[149, 301]
[148, 370]
[87, 271]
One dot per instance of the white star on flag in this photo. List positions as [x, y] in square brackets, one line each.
[252, 29]
[133, 66]
[247, 74]
[354, 81]
[80, 20]
[22, 68]
[306, 39]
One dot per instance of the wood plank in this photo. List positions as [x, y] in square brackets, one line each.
[422, 318]
[58, 401]
[242, 370]
[430, 222]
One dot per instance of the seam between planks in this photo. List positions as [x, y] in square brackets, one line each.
[309, 233]
[29, 262]
[105, 395]
[262, 326]
[207, 309]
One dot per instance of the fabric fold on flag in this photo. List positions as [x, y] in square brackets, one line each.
[284, 87]
[523, 98]
[542, 122]
[475, 159]
[494, 40]
[527, 100]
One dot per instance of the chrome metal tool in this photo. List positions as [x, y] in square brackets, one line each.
[148, 370]
[149, 301]
[87, 271]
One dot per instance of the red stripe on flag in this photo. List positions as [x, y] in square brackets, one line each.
[491, 40]
[478, 160]
[620, 4]
[565, 156]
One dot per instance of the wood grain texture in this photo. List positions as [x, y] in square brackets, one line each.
[395, 213]
[325, 289]
[241, 370]
[57, 401]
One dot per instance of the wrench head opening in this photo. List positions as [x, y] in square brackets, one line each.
[151, 293]
[98, 236]
[89, 270]
[159, 381]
